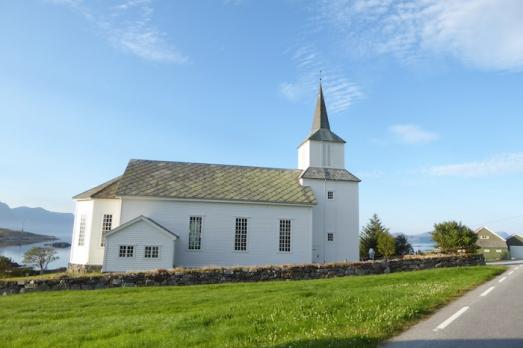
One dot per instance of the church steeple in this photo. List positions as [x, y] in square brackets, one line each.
[321, 130]
[321, 119]
[322, 148]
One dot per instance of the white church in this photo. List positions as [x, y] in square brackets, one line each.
[160, 214]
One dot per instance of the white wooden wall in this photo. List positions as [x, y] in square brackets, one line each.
[80, 254]
[138, 235]
[321, 154]
[339, 216]
[219, 227]
[92, 253]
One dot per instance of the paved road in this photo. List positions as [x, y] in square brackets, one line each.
[489, 316]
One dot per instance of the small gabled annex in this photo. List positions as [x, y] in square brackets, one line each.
[138, 245]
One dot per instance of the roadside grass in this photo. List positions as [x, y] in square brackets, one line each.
[56, 275]
[337, 312]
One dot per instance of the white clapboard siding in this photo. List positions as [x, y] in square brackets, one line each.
[139, 235]
[92, 253]
[339, 216]
[217, 246]
[80, 253]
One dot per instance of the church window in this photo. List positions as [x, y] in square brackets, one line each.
[195, 233]
[240, 236]
[126, 251]
[330, 237]
[81, 233]
[330, 195]
[152, 252]
[285, 235]
[107, 224]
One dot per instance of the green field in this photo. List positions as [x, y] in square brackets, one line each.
[339, 312]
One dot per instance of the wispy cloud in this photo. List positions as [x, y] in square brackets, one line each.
[510, 163]
[128, 26]
[340, 92]
[412, 134]
[486, 34]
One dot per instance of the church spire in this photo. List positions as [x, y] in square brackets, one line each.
[321, 130]
[321, 119]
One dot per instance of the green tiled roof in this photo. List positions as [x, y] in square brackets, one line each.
[213, 182]
[329, 174]
[105, 190]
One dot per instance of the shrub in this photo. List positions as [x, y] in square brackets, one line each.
[403, 247]
[452, 236]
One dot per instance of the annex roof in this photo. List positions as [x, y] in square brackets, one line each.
[145, 219]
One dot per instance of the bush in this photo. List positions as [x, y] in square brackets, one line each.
[452, 237]
[386, 245]
[403, 247]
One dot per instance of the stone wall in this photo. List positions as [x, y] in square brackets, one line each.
[77, 268]
[233, 274]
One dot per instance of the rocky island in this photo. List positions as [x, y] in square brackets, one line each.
[10, 238]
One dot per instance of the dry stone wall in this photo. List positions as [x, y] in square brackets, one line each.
[181, 276]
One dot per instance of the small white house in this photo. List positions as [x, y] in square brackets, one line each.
[161, 214]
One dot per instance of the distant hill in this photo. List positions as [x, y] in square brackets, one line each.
[421, 238]
[504, 234]
[9, 237]
[37, 220]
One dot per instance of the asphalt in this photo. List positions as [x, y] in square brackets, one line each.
[488, 316]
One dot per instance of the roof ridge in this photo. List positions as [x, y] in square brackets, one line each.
[217, 164]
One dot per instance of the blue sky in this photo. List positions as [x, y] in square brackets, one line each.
[427, 93]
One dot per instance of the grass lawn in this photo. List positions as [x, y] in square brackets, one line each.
[337, 312]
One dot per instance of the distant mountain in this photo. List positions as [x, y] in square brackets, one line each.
[422, 238]
[504, 234]
[37, 220]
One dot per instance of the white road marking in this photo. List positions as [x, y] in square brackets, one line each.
[486, 292]
[502, 280]
[509, 273]
[451, 319]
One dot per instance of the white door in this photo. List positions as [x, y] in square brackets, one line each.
[316, 254]
[516, 252]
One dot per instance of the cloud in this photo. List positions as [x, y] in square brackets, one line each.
[127, 25]
[340, 92]
[510, 163]
[485, 34]
[412, 134]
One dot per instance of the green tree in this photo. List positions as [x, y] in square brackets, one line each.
[451, 236]
[40, 257]
[386, 245]
[369, 236]
[7, 265]
[403, 247]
